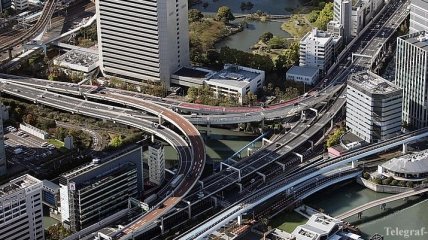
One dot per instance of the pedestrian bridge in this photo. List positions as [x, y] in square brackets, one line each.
[360, 209]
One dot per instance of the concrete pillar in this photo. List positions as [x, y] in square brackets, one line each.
[161, 226]
[383, 206]
[299, 155]
[153, 138]
[202, 183]
[265, 140]
[9, 51]
[215, 201]
[302, 115]
[239, 220]
[160, 120]
[262, 175]
[404, 148]
[360, 215]
[312, 144]
[354, 164]
[208, 129]
[189, 209]
[282, 165]
[249, 151]
[240, 186]
[331, 123]
[263, 122]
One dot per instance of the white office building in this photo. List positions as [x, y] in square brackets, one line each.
[307, 75]
[373, 107]
[418, 16]
[411, 74]
[236, 81]
[156, 162]
[21, 214]
[20, 5]
[3, 161]
[362, 12]
[342, 15]
[316, 50]
[143, 41]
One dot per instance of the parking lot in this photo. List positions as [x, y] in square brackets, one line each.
[26, 150]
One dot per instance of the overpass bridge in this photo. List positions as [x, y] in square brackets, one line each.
[380, 202]
[306, 173]
[191, 150]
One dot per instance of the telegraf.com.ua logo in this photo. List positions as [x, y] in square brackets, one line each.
[421, 233]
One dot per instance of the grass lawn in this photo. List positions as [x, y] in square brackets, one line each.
[287, 221]
[57, 143]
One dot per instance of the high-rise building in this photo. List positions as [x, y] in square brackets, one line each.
[5, 4]
[100, 189]
[342, 14]
[143, 40]
[3, 161]
[20, 5]
[156, 162]
[316, 50]
[373, 107]
[418, 15]
[21, 214]
[411, 74]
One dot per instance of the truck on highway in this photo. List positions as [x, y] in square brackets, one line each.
[176, 180]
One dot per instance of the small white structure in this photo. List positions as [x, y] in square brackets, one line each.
[412, 167]
[307, 75]
[373, 107]
[316, 50]
[33, 131]
[321, 226]
[156, 162]
[68, 142]
[236, 81]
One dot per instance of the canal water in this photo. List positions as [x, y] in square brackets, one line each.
[275, 7]
[406, 215]
[245, 39]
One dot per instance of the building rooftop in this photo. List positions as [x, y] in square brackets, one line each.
[192, 72]
[372, 83]
[419, 39]
[303, 71]
[412, 163]
[77, 57]
[321, 37]
[17, 184]
[235, 76]
[318, 225]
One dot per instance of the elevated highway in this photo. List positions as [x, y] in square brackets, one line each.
[379, 202]
[37, 28]
[191, 151]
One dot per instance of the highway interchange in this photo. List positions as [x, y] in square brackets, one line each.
[191, 150]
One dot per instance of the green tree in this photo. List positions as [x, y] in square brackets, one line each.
[195, 15]
[325, 16]
[192, 94]
[57, 232]
[277, 42]
[334, 138]
[265, 37]
[224, 14]
[116, 141]
[313, 16]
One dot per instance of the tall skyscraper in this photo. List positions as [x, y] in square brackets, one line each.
[21, 209]
[411, 74]
[342, 13]
[143, 40]
[418, 15]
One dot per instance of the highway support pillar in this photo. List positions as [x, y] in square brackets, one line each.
[161, 226]
[215, 201]
[265, 140]
[383, 206]
[404, 148]
[153, 138]
[314, 110]
[331, 124]
[9, 51]
[354, 164]
[262, 175]
[263, 123]
[299, 155]
[312, 144]
[202, 184]
[239, 220]
[282, 165]
[160, 119]
[189, 209]
[249, 150]
[360, 215]
[240, 186]
[302, 115]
